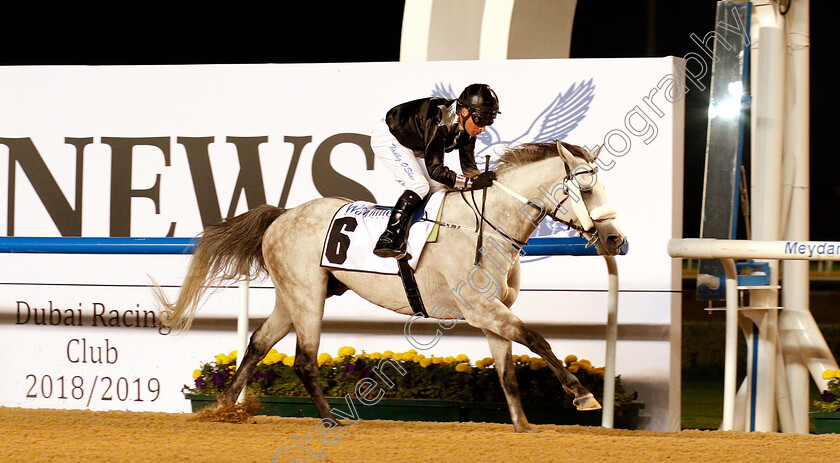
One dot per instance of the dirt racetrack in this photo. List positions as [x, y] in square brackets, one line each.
[35, 435]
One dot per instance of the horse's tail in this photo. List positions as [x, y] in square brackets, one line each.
[230, 250]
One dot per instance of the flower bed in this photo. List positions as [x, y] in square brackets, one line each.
[826, 414]
[470, 392]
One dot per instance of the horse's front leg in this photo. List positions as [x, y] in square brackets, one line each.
[496, 317]
[500, 348]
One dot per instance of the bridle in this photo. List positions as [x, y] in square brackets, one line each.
[585, 225]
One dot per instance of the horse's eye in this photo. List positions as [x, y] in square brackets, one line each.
[585, 179]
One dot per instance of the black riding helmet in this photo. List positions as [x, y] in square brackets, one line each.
[483, 103]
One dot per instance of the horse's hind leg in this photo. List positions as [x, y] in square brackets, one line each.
[496, 317]
[308, 330]
[306, 367]
[307, 304]
[274, 328]
[500, 348]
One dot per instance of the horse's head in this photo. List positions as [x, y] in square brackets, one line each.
[588, 200]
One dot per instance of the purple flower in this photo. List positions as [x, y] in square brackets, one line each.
[444, 380]
[828, 397]
[366, 373]
[268, 377]
[218, 379]
[200, 382]
[350, 368]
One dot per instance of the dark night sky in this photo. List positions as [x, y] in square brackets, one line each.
[339, 32]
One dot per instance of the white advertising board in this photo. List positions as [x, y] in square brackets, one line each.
[163, 150]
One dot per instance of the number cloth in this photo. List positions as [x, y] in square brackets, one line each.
[356, 226]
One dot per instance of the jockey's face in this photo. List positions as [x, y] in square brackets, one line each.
[469, 124]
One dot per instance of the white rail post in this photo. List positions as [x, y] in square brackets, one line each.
[608, 413]
[242, 329]
[730, 362]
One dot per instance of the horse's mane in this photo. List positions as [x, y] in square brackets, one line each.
[529, 153]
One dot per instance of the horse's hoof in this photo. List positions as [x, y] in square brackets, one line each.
[530, 428]
[586, 402]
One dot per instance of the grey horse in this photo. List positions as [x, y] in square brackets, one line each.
[534, 180]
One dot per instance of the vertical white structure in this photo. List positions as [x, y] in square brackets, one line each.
[783, 341]
[768, 90]
[439, 30]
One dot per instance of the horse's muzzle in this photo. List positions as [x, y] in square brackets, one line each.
[614, 243]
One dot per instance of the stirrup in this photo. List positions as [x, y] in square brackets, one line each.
[386, 252]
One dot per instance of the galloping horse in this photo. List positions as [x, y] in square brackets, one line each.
[532, 180]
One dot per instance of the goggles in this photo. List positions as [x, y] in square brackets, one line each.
[482, 119]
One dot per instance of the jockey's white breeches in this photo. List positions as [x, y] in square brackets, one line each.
[400, 161]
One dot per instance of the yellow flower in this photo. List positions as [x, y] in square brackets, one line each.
[449, 359]
[579, 365]
[463, 368]
[376, 356]
[222, 359]
[462, 358]
[483, 363]
[337, 361]
[828, 374]
[387, 353]
[196, 374]
[411, 352]
[232, 354]
[289, 360]
[537, 363]
[273, 357]
[598, 371]
[573, 368]
[524, 358]
[397, 356]
[418, 358]
[437, 360]
[425, 362]
[346, 351]
[570, 359]
[515, 358]
[324, 358]
[585, 362]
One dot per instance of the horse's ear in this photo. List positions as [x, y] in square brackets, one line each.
[592, 156]
[565, 154]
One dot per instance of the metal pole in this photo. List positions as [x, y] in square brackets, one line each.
[608, 413]
[796, 277]
[731, 346]
[242, 329]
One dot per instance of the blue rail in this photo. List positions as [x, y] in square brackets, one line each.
[85, 245]
[567, 246]
[572, 246]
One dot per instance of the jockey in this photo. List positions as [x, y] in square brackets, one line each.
[427, 128]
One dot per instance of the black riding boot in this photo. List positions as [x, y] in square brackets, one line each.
[392, 241]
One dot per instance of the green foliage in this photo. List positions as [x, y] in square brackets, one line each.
[830, 398]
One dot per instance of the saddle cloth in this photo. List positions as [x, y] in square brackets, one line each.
[356, 227]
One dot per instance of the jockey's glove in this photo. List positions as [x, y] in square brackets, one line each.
[482, 180]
